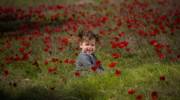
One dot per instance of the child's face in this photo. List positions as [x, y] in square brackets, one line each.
[88, 46]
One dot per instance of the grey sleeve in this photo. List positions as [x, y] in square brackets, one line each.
[83, 62]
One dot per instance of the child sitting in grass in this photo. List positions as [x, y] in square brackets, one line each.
[87, 59]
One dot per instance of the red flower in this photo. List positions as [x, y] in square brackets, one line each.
[114, 44]
[178, 56]
[159, 46]
[122, 44]
[161, 56]
[139, 97]
[25, 44]
[54, 59]
[154, 32]
[128, 49]
[104, 19]
[131, 91]
[60, 6]
[54, 17]
[102, 32]
[118, 72]
[8, 59]
[142, 33]
[172, 31]
[61, 49]
[25, 56]
[170, 51]
[112, 65]
[77, 74]
[98, 63]
[162, 78]
[52, 69]
[153, 42]
[17, 58]
[48, 29]
[6, 72]
[116, 55]
[47, 42]
[163, 17]
[65, 41]
[118, 23]
[121, 34]
[57, 29]
[1, 49]
[46, 62]
[94, 68]
[7, 44]
[46, 49]
[72, 61]
[116, 38]
[174, 59]
[21, 50]
[66, 61]
[161, 1]
[154, 95]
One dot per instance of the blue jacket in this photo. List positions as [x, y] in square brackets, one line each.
[85, 62]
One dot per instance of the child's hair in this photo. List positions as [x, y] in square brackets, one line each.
[88, 35]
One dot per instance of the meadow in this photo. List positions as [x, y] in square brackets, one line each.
[138, 49]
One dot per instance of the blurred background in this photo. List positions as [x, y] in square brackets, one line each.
[139, 49]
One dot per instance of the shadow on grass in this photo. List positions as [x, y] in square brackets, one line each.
[75, 92]
[4, 95]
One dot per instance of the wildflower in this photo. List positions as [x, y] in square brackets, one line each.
[77, 74]
[117, 72]
[131, 91]
[52, 69]
[154, 95]
[112, 64]
[6, 72]
[162, 78]
[139, 97]
[116, 55]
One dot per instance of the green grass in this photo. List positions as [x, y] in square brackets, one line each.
[105, 86]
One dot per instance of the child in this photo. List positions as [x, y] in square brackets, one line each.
[87, 59]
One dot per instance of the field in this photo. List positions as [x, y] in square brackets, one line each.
[138, 48]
